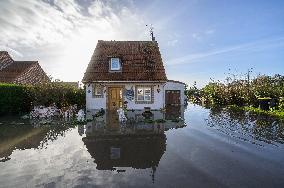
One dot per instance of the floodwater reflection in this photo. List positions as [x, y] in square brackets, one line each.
[217, 147]
[137, 143]
[247, 126]
[19, 134]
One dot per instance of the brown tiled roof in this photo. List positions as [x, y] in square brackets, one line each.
[5, 59]
[141, 61]
[15, 69]
[70, 84]
[175, 81]
[21, 72]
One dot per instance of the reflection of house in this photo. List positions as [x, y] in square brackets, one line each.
[173, 117]
[137, 143]
[130, 73]
[20, 72]
[138, 152]
[117, 147]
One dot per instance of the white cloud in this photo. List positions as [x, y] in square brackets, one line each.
[209, 31]
[12, 52]
[60, 35]
[200, 35]
[196, 36]
[172, 42]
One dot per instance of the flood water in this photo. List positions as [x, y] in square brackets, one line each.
[210, 148]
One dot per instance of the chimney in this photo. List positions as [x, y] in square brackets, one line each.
[5, 59]
[152, 34]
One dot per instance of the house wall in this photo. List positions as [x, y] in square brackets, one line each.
[98, 103]
[159, 97]
[92, 102]
[173, 85]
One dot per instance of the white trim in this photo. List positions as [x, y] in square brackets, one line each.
[144, 88]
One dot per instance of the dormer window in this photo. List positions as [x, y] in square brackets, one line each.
[115, 64]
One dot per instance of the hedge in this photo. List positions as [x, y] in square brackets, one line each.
[21, 98]
[13, 99]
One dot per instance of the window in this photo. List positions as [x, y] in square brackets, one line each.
[115, 64]
[144, 94]
[98, 91]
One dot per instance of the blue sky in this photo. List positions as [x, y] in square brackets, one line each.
[198, 39]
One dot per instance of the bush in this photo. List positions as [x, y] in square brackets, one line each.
[243, 92]
[22, 98]
[281, 103]
[13, 99]
[54, 93]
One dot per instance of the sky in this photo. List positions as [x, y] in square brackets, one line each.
[199, 40]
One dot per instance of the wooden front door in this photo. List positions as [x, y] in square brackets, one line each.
[114, 98]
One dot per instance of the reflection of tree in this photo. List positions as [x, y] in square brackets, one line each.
[24, 135]
[246, 126]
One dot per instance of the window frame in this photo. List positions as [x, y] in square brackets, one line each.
[147, 92]
[111, 68]
[98, 91]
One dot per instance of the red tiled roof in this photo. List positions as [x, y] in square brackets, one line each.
[141, 61]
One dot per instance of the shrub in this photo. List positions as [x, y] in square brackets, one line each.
[281, 103]
[13, 99]
[53, 93]
[21, 98]
[242, 91]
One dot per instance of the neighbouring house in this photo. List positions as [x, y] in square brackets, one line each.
[20, 72]
[129, 74]
[70, 84]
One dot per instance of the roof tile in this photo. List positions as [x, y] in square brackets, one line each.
[141, 61]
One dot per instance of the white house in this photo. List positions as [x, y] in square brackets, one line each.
[129, 74]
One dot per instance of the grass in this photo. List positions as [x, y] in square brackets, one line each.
[264, 98]
[276, 113]
[271, 112]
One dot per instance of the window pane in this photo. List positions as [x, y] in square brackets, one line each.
[140, 91]
[147, 98]
[147, 91]
[115, 64]
[140, 97]
[144, 94]
[98, 90]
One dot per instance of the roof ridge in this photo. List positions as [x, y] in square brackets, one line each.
[126, 41]
[26, 61]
